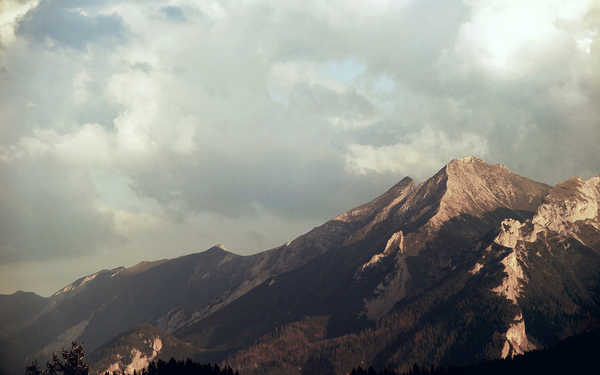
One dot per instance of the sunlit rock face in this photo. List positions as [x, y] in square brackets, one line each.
[566, 207]
[137, 359]
[575, 200]
[475, 187]
[394, 244]
[510, 233]
[516, 339]
[516, 336]
[140, 361]
[135, 349]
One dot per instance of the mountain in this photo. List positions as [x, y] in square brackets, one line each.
[18, 310]
[472, 264]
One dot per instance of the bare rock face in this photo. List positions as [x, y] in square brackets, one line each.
[510, 233]
[564, 209]
[138, 361]
[394, 244]
[573, 201]
[135, 349]
[516, 339]
[477, 187]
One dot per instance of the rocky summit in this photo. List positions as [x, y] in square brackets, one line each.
[474, 263]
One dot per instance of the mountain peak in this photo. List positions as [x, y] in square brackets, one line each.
[218, 249]
[472, 186]
[475, 164]
[469, 159]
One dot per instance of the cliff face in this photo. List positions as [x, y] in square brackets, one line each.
[474, 263]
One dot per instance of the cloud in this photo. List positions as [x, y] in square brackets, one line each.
[173, 13]
[10, 13]
[180, 124]
[48, 212]
[419, 155]
[69, 24]
[535, 29]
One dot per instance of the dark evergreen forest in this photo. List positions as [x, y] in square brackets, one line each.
[575, 355]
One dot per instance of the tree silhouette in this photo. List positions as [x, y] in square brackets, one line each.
[72, 363]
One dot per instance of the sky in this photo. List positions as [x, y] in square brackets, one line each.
[140, 130]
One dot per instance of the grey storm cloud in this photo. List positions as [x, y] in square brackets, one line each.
[48, 212]
[68, 23]
[292, 186]
[138, 130]
[173, 13]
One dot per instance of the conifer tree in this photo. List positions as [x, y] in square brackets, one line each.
[73, 362]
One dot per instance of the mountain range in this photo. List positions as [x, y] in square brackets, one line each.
[475, 263]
